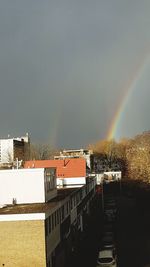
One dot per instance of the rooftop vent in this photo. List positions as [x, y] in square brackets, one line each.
[14, 201]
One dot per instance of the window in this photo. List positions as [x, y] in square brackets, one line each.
[52, 218]
[71, 203]
[50, 179]
[55, 218]
[62, 212]
[49, 222]
[67, 207]
[46, 227]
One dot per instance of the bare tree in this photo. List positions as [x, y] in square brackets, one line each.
[41, 152]
[107, 152]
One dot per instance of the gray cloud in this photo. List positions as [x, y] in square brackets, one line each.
[64, 66]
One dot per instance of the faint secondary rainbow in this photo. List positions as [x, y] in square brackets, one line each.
[129, 89]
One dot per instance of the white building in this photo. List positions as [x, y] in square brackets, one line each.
[76, 153]
[107, 177]
[27, 186]
[12, 148]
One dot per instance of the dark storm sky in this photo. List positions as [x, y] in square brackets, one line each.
[64, 65]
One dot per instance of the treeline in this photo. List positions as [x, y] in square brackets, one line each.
[132, 155]
[41, 152]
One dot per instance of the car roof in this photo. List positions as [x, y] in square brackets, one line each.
[105, 253]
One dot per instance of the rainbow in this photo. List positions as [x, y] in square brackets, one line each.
[128, 89]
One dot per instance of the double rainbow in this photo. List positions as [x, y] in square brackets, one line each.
[128, 89]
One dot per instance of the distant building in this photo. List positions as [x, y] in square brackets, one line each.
[76, 153]
[69, 171]
[106, 177]
[12, 149]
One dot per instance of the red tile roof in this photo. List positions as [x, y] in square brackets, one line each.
[67, 168]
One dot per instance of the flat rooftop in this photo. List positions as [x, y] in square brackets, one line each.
[39, 207]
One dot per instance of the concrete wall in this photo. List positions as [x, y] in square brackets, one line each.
[71, 181]
[22, 244]
[24, 185]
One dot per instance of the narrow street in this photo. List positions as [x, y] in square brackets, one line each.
[86, 254]
[132, 231]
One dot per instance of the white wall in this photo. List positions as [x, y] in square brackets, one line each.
[25, 185]
[100, 176]
[115, 175]
[71, 181]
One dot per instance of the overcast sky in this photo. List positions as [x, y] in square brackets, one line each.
[64, 65]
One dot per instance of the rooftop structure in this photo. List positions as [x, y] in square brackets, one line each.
[69, 171]
[27, 186]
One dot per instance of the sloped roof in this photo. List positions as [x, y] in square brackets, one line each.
[65, 168]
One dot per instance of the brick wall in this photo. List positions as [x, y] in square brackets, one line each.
[22, 244]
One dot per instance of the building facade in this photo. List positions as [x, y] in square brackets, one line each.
[12, 149]
[44, 234]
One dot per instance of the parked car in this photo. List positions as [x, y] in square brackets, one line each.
[106, 258]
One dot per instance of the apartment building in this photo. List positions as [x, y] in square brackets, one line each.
[12, 149]
[43, 234]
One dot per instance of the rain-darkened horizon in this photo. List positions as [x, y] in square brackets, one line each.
[67, 66]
